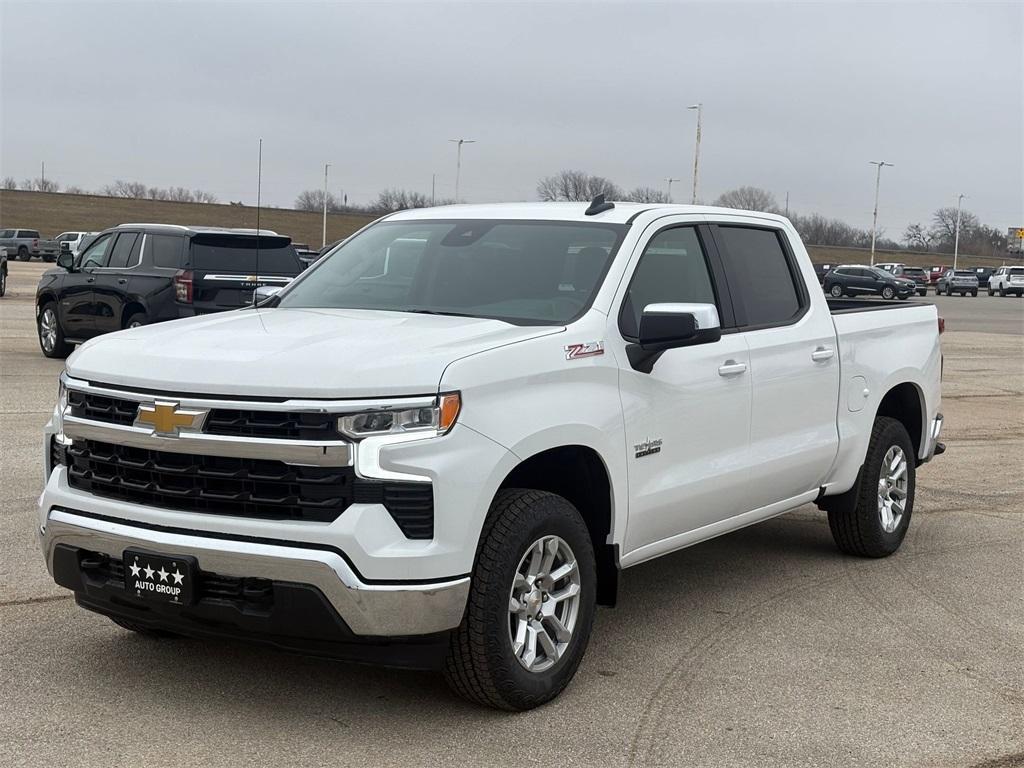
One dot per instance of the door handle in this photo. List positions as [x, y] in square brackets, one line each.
[122, 281]
[90, 279]
[821, 354]
[731, 368]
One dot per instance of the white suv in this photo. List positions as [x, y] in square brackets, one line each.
[1007, 280]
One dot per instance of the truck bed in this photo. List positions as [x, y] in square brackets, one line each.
[843, 306]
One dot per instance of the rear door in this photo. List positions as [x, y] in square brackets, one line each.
[227, 268]
[110, 291]
[794, 366]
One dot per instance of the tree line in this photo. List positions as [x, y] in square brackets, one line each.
[127, 189]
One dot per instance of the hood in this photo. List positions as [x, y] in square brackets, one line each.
[294, 353]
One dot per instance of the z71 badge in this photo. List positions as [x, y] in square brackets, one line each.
[590, 349]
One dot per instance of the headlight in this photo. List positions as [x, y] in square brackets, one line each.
[437, 418]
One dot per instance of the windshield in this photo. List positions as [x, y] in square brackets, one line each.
[522, 272]
[6, 233]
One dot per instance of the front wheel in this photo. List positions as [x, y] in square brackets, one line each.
[51, 335]
[1002, 292]
[974, 293]
[990, 292]
[888, 293]
[875, 517]
[836, 291]
[3, 282]
[531, 603]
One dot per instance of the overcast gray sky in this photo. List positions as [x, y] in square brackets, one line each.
[797, 97]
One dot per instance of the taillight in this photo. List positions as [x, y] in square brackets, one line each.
[942, 325]
[183, 286]
[35, 243]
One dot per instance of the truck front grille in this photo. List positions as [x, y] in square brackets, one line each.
[270, 490]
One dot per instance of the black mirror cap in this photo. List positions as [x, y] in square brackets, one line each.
[66, 261]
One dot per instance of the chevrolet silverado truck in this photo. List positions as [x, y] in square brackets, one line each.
[26, 243]
[442, 444]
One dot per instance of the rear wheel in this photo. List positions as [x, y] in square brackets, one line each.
[990, 292]
[531, 604]
[974, 293]
[134, 321]
[872, 519]
[836, 291]
[23, 254]
[51, 335]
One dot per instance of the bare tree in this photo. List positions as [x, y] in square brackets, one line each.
[130, 189]
[645, 195]
[313, 200]
[815, 229]
[9, 182]
[944, 225]
[74, 190]
[916, 237]
[749, 199]
[577, 186]
[399, 200]
[203, 197]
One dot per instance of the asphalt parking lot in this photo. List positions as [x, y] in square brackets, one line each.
[764, 647]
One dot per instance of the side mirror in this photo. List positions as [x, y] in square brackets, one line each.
[670, 326]
[66, 261]
[264, 292]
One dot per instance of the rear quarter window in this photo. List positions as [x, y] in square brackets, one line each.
[164, 250]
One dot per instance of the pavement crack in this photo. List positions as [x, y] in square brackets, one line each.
[31, 600]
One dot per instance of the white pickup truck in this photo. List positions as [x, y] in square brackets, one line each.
[442, 443]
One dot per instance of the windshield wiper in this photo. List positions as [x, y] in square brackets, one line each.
[437, 312]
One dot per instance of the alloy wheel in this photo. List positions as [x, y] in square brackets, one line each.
[892, 488]
[48, 330]
[544, 603]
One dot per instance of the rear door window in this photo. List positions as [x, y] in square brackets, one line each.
[762, 276]
[121, 252]
[29, 233]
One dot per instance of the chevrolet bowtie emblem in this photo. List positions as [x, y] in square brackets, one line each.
[168, 418]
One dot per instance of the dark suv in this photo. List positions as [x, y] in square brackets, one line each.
[136, 274]
[918, 275]
[855, 279]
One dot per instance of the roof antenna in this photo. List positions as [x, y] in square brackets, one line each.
[598, 205]
[259, 184]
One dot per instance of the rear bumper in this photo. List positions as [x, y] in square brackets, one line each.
[934, 447]
[368, 610]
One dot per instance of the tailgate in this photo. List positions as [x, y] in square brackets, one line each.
[227, 268]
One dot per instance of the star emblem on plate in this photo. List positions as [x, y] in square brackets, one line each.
[162, 574]
[178, 576]
[135, 568]
[149, 571]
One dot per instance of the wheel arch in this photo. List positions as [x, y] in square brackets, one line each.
[905, 402]
[131, 307]
[579, 474]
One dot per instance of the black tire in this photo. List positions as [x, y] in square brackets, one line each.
[61, 348]
[922, 293]
[135, 320]
[481, 665]
[990, 292]
[836, 291]
[1002, 292]
[938, 291]
[23, 254]
[974, 293]
[3, 282]
[888, 293]
[139, 629]
[855, 520]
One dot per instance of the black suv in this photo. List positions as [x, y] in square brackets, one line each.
[918, 275]
[854, 279]
[136, 274]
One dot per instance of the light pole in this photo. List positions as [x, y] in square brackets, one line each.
[696, 150]
[874, 221]
[670, 180]
[458, 162]
[956, 234]
[324, 238]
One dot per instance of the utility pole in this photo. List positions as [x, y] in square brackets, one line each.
[324, 238]
[874, 222]
[433, 187]
[956, 235]
[787, 203]
[458, 162]
[670, 180]
[696, 150]
[42, 177]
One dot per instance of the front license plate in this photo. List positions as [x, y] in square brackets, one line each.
[158, 577]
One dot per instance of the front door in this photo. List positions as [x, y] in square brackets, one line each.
[77, 309]
[687, 420]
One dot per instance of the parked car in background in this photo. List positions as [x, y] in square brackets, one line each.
[983, 274]
[857, 279]
[26, 243]
[136, 274]
[445, 458]
[918, 275]
[307, 256]
[934, 273]
[890, 266]
[72, 241]
[962, 281]
[3, 271]
[821, 270]
[1007, 280]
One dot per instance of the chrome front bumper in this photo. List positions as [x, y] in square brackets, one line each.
[377, 610]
